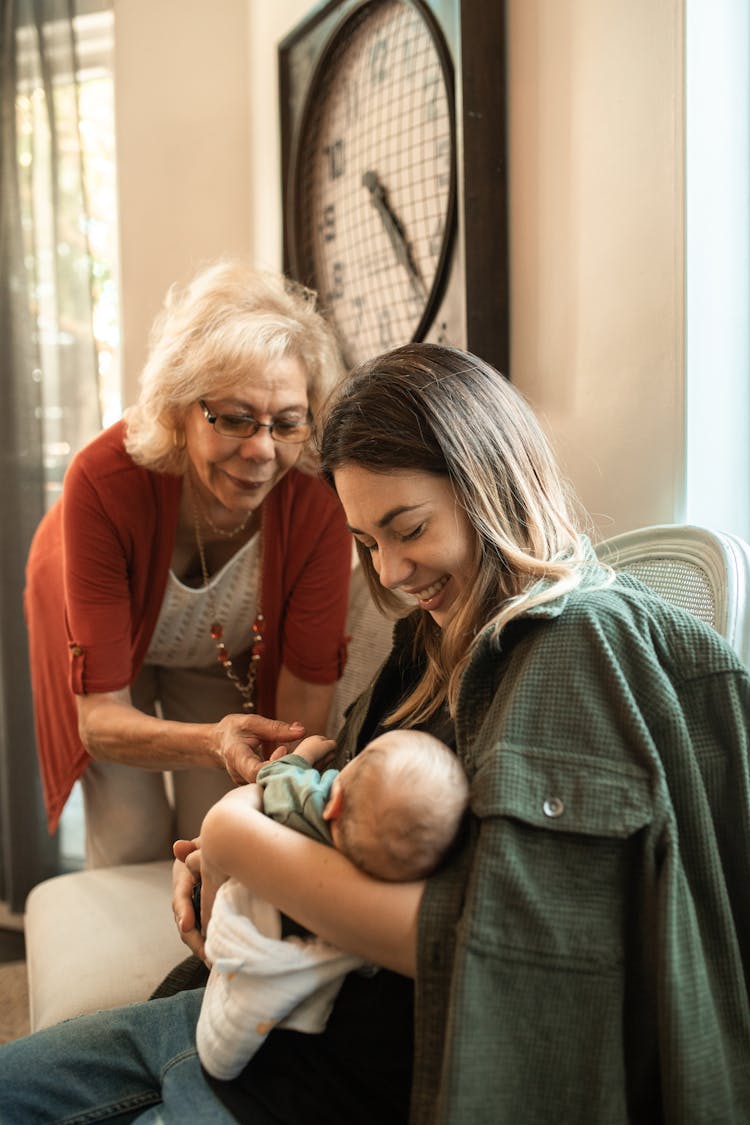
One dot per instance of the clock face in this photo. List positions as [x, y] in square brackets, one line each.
[373, 188]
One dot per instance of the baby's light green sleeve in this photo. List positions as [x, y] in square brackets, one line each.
[295, 794]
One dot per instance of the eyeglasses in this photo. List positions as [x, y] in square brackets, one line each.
[245, 426]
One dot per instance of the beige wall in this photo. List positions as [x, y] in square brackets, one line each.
[596, 166]
[269, 23]
[596, 198]
[183, 150]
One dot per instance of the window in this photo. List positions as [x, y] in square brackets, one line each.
[66, 158]
[717, 177]
[65, 148]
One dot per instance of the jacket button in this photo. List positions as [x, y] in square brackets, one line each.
[76, 650]
[553, 807]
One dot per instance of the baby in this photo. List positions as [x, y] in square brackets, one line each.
[394, 811]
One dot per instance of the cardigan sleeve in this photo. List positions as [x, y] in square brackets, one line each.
[97, 595]
[118, 528]
[94, 583]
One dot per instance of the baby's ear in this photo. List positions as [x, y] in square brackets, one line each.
[333, 809]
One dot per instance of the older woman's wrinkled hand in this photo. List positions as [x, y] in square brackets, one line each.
[239, 741]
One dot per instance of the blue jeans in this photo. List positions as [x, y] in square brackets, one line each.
[136, 1063]
[139, 1063]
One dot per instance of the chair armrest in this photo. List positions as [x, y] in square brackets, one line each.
[98, 939]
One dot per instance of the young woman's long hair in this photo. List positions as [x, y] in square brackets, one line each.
[434, 409]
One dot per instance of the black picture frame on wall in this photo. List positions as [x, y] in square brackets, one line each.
[473, 310]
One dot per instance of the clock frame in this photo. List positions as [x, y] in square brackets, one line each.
[468, 304]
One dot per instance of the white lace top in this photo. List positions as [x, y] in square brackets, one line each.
[182, 637]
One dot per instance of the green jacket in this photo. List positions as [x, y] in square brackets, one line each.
[585, 958]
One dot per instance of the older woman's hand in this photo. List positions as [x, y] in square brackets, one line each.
[239, 739]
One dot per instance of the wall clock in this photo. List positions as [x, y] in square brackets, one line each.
[393, 171]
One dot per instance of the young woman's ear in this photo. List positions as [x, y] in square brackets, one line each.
[333, 809]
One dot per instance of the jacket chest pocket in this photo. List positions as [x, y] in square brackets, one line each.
[560, 858]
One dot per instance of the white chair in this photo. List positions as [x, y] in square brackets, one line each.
[98, 939]
[705, 572]
[105, 937]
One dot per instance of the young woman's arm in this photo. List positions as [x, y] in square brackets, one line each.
[311, 883]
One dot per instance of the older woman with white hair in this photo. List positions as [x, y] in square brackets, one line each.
[186, 597]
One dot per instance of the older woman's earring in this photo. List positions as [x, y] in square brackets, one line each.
[179, 440]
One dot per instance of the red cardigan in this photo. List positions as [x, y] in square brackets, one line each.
[96, 576]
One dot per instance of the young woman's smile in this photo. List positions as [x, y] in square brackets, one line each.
[419, 538]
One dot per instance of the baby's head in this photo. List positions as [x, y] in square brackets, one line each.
[396, 808]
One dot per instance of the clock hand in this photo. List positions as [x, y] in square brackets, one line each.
[395, 230]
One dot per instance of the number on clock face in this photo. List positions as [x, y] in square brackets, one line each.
[373, 190]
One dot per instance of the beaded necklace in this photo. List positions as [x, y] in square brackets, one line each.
[245, 687]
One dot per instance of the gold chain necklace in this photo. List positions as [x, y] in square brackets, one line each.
[245, 687]
[209, 522]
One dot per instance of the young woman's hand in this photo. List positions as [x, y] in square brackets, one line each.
[194, 867]
[185, 876]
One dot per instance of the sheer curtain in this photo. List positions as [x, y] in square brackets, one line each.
[49, 379]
